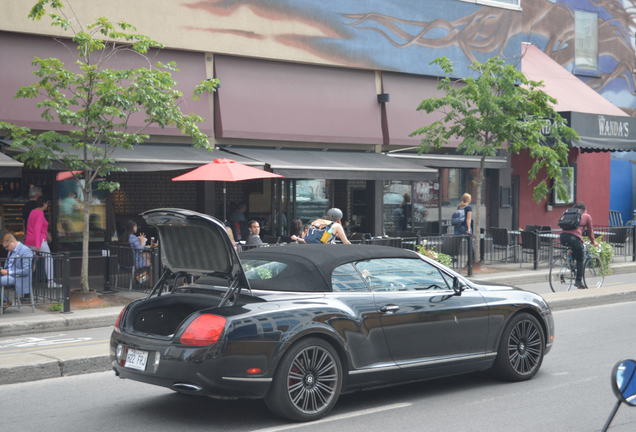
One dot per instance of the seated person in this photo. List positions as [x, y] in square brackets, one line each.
[254, 238]
[141, 258]
[17, 267]
[297, 233]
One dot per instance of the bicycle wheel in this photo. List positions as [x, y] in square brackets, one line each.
[561, 276]
[593, 276]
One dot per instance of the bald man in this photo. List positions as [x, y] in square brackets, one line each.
[17, 268]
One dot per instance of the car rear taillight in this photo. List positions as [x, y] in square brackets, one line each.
[204, 330]
[118, 320]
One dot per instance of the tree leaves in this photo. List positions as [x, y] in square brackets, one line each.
[499, 110]
[95, 103]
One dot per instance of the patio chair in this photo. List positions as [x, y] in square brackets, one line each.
[24, 282]
[125, 266]
[545, 242]
[501, 241]
[618, 239]
[529, 244]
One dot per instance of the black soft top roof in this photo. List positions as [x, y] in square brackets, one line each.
[310, 266]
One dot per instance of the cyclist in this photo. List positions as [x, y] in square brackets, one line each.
[573, 239]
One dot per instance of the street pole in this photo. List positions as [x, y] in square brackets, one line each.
[611, 416]
[66, 282]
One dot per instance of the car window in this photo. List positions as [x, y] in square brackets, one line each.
[347, 278]
[401, 274]
[262, 270]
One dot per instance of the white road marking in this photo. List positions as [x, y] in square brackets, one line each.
[31, 341]
[335, 418]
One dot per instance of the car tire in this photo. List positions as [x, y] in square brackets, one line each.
[521, 349]
[307, 382]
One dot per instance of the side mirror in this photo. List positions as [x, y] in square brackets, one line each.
[624, 381]
[458, 287]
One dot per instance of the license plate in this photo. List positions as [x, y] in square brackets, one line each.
[136, 359]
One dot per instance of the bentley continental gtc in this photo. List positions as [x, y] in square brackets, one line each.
[298, 325]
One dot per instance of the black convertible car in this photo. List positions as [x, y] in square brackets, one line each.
[298, 325]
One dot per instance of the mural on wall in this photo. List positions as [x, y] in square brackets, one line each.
[404, 36]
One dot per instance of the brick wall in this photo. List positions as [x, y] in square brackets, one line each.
[142, 191]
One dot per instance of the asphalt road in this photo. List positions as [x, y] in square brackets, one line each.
[570, 393]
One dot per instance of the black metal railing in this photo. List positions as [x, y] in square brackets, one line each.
[37, 280]
[132, 269]
[537, 245]
[622, 239]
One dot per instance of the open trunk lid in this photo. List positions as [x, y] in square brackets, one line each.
[196, 244]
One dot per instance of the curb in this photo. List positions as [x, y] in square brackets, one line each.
[53, 369]
[61, 322]
[536, 276]
[558, 301]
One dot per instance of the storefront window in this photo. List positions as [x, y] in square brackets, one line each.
[311, 199]
[426, 206]
[454, 182]
[410, 207]
[70, 223]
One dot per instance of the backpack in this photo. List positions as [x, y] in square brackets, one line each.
[570, 219]
[319, 235]
[458, 217]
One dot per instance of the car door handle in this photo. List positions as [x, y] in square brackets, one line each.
[389, 308]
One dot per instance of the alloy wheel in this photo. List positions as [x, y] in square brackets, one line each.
[312, 379]
[525, 347]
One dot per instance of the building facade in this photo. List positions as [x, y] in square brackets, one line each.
[322, 92]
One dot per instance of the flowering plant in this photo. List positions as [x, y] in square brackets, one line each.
[604, 252]
[441, 258]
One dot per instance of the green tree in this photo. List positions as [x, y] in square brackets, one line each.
[95, 103]
[497, 111]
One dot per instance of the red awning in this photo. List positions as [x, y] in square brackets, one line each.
[571, 93]
[261, 99]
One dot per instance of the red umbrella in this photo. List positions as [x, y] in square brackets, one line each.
[225, 170]
[65, 175]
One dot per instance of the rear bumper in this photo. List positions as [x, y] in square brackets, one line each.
[203, 371]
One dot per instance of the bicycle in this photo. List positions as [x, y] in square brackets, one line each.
[563, 271]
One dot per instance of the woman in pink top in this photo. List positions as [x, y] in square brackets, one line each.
[37, 236]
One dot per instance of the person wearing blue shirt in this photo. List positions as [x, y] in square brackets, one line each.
[16, 271]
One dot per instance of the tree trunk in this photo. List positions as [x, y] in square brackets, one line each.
[478, 198]
[86, 208]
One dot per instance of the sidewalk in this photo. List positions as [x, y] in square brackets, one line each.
[21, 367]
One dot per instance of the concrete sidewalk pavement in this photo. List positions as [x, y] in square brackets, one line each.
[76, 359]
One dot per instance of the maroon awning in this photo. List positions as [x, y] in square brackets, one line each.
[406, 93]
[282, 101]
[16, 70]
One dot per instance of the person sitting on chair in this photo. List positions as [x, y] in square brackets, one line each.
[254, 238]
[141, 258]
[17, 267]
